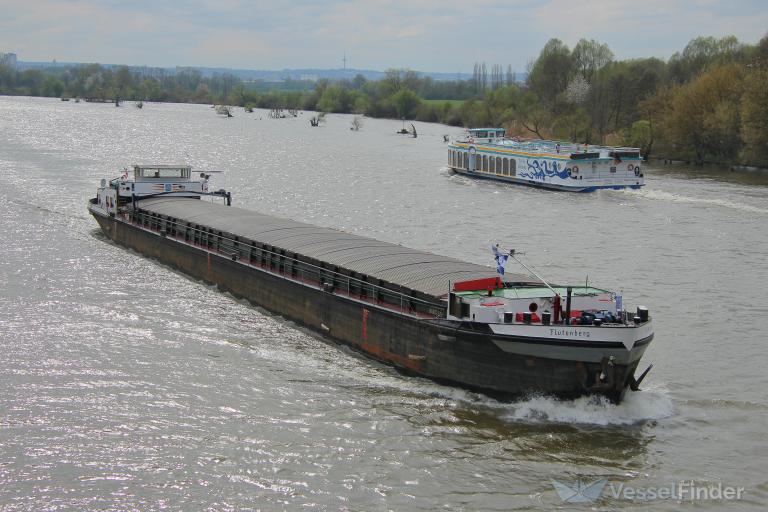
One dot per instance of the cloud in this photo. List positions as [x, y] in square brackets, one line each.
[434, 35]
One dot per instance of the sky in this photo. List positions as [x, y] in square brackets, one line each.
[425, 35]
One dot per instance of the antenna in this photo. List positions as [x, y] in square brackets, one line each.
[344, 60]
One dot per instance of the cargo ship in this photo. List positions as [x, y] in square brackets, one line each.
[463, 324]
[557, 165]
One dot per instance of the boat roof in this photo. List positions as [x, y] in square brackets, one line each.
[487, 130]
[551, 146]
[417, 270]
[160, 166]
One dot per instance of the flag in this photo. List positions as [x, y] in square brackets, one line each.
[501, 259]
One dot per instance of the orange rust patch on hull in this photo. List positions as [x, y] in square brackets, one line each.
[403, 361]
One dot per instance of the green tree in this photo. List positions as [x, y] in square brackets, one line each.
[754, 117]
[701, 53]
[589, 57]
[51, 87]
[334, 99]
[641, 136]
[704, 122]
[31, 80]
[550, 73]
[533, 115]
[405, 102]
[573, 125]
[7, 79]
[123, 83]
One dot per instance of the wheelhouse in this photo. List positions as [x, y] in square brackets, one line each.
[164, 173]
[486, 134]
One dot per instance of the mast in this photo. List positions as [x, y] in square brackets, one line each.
[512, 255]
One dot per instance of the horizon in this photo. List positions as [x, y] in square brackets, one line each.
[370, 35]
[55, 62]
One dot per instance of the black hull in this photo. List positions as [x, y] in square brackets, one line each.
[445, 351]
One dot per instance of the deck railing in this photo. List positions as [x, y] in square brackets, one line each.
[285, 263]
[550, 146]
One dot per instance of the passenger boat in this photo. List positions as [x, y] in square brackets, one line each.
[458, 323]
[488, 153]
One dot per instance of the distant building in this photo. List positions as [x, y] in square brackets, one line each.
[308, 78]
[8, 59]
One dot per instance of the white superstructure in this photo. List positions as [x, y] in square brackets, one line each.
[488, 153]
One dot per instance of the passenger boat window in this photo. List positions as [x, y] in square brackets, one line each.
[498, 165]
[505, 168]
[465, 164]
[512, 167]
[492, 165]
[485, 163]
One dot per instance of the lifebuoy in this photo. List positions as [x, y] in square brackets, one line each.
[630, 167]
[471, 140]
[575, 168]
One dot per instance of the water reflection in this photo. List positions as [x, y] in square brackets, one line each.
[720, 173]
[129, 386]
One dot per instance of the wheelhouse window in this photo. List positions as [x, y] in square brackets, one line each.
[162, 172]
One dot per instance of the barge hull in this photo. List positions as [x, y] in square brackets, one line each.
[446, 351]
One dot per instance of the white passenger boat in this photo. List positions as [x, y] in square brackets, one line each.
[488, 153]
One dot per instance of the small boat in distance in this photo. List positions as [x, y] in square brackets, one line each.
[488, 153]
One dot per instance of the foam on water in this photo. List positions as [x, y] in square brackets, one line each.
[639, 407]
[660, 195]
[653, 403]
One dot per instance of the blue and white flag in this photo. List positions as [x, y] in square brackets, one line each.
[501, 259]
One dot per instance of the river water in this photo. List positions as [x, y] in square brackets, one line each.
[127, 386]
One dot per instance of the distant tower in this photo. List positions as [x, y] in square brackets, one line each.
[344, 60]
[8, 59]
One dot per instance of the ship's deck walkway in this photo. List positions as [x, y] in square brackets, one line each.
[389, 263]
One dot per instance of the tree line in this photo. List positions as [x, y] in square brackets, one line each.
[707, 103]
[93, 81]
